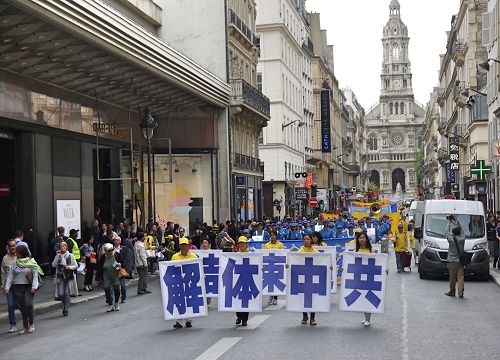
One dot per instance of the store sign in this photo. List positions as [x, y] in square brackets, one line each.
[454, 151]
[68, 215]
[326, 144]
[301, 194]
[450, 174]
[107, 129]
[480, 170]
[309, 180]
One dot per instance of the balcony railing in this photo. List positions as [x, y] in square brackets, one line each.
[246, 162]
[243, 91]
[241, 26]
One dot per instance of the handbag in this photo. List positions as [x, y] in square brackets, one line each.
[122, 273]
[30, 279]
[464, 257]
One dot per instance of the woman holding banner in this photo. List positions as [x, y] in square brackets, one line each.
[317, 239]
[363, 245]
[308, 248]
[242, 317]
[272, 245]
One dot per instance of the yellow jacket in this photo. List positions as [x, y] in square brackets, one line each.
[412, 240]
[149, 242]
[270, 246]
[400, 241]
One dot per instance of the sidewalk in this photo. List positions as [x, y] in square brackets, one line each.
[44, 299]
[495, 275]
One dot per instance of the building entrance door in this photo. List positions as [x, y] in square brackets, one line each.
[7, 191]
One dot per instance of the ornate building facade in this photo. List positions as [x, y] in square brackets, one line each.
[394, 125]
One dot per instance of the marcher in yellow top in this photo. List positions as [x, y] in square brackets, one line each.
[184, 254]
[317, 239]
[363, 245]
[273, 243]
[308, 248]
[400, 245]
[242, 317]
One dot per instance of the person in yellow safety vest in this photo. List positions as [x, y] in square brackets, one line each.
[73, 245]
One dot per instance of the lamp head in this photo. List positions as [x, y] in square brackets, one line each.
[148, 124]
[483, 67]
[301, 123]
[464, 93]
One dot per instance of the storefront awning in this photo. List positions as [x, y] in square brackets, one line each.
[88, 47]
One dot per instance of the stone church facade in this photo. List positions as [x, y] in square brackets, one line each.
[394, 125]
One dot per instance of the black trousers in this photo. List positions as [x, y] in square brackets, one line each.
[25, 299]
[109, 297]
[313, 315]
[243, 316]
[89, 275]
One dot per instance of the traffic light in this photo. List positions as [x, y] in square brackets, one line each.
[314, 190]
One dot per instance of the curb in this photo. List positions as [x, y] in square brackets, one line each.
[50, 306]
[495, 277]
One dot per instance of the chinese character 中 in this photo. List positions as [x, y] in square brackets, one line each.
[183, 289]
[274, 272]
[211, 269]
[370, 270]
[308, 271]
[245, 288]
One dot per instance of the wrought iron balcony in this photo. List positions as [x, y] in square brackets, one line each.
[245, 162]
[244, 92]
[241, 26]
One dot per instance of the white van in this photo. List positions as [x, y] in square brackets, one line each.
[430, 229]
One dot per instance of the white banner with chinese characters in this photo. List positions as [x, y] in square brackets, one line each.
[273, 276]
[364, 280]
[240, 282]
[210, 260]
[332, 250]
[308, 284]
[182, 289]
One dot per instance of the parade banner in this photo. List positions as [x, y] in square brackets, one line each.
[332, 250]
[240, 282]
[273, 276]
[352, 247]
[308, 284]
[182, 289]
[363, 284]
[210, 259]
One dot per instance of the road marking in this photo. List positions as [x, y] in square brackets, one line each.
[404, 322]
[142, 310]
[219, 348]
[254, 322]
[281, 303]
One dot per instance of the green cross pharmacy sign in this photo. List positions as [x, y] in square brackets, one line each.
[481, 170]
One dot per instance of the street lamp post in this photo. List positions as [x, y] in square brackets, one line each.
[148, 126]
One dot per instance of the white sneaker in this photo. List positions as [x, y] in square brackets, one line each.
[363, 322]
[31, 328]
[366, 323]
[270, 301]
[117, 307]
[110, 308]
[275, 301]
[12, 329]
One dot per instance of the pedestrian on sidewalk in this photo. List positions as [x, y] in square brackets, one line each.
[65, 265]
[119, 249]
[491, 235]
[456, 242]
[141, 264]
[107, 273]
[88, 251]
[184, 254]
[23, 280]
[8, 261]
[496, 246]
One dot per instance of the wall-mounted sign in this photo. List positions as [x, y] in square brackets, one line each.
[68, 215]
[450, 174]
[454, 151]
[326, 144]
[481, 170]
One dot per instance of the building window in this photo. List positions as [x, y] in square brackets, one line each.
[390, 108]
[402, 105]
[411, 176]
[261, 137]
[395, 52]
[373, 143]
[259, 82]
[396, 108]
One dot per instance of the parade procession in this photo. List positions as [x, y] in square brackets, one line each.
[249, 179]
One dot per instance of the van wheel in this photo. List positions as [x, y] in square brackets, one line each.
[484, 277]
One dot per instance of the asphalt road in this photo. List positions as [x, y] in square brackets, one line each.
[420, 323]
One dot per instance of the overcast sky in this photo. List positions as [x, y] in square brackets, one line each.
[355, 30]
